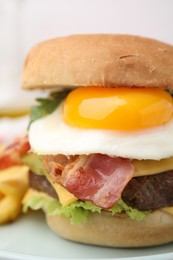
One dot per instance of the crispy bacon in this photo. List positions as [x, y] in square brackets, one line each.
[55, 164]
[97, 178]
[11, 154]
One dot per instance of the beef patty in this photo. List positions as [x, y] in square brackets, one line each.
[40, 183]
[150, 192]
[144, 193]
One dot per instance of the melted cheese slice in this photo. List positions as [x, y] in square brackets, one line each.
[149, 167]
[31, 193]
[168, 210]
[65, 197]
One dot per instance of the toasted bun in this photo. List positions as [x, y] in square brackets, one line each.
[116, 231]
[99, 60]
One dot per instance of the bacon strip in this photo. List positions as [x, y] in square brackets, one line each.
[11, 154]
[97, 178]
[55, 164]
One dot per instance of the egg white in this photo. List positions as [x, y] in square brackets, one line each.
[51, 135]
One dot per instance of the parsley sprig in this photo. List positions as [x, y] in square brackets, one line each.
[46, 106]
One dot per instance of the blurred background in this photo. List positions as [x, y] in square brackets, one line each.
[23, 23]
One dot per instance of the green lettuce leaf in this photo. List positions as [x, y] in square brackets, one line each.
[78, 211]
[51, 206]
[46, 105]
[133, 213]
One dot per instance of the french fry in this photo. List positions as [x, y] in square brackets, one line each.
[13, 185]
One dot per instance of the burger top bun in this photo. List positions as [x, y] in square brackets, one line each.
[99, 60]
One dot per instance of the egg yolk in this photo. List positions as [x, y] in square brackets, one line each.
[117, 108]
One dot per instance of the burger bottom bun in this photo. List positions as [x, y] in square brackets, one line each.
[116, 231]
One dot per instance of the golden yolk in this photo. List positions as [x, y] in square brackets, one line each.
[117, 108]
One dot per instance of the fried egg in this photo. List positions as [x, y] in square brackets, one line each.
[108, 121]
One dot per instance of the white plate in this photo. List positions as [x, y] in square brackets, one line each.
[30, 238]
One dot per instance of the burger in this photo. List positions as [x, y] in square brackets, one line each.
[101, 157]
